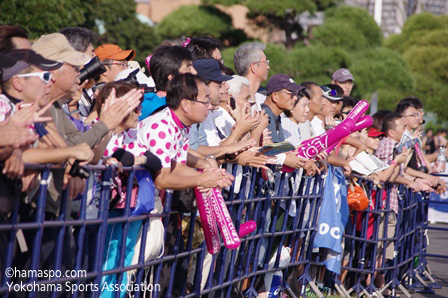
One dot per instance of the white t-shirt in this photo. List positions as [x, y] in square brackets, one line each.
[210, 130]
[223, 121]
[318, 126]
[291, 131]
[306, 131]
[259, 99]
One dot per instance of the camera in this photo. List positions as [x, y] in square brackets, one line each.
[132, 78]
[78, 171]
[92, 70]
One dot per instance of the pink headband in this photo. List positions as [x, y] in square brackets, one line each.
[186, 42]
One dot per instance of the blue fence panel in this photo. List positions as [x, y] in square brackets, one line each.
[285, 208]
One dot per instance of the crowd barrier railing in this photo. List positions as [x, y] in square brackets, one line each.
[104, 252]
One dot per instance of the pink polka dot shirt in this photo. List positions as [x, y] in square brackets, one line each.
[165, 136]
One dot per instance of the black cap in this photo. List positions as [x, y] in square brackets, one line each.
[33, 58]
[6, 61]
[282, 81]
[10, 66]
[332, 92]
[209, 69]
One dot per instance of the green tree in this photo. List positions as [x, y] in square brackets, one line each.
[424, 46]
[195, 20]
[348, 27]
[279, 14]
[42, 16]
[384, 71]
[117, 18]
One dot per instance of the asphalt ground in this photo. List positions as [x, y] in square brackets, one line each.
[438, 244]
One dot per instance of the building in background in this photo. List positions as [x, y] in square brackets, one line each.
[393, 14]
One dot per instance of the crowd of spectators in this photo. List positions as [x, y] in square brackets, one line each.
[190, 116]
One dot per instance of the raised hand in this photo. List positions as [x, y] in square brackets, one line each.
[115, 110]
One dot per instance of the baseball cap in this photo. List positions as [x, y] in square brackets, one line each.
[23, 58]
[55, 46]
[373, 132]
[113, 52]
[10, 66]
[342, 75]
[209, 69]
[281, 81]
[332, 92]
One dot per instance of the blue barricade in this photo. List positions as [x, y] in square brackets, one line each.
[101, 251]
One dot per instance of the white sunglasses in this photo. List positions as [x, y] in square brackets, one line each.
[45, 76]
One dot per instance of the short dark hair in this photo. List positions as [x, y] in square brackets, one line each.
[302, 94]
[7, 32]
[166, 60]
[378, 118]
[403, 106]
[181, 87]
[121, 88]
[389, 122]
[79, 37]
[414, 101]
[226, 70]
[348, 101]
[308, 87]
[202, 47]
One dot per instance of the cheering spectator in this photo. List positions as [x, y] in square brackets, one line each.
[13, 37]
[282, 94]
[344, 79]
[250, 62]
[164, 64]
[166, 134]
[298, 114]
[204, 47]
[315, 93]
[115, 59]
[80, 105]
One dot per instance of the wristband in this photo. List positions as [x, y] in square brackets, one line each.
[394, 163]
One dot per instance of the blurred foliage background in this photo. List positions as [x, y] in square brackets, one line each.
[413, 63]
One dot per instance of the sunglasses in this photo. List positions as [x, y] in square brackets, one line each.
[44, 76]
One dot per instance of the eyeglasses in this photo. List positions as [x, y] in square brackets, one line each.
[125, 63]
[416, 115]
[206, 103]
[44, 76]
[291, 93]
[267, 62]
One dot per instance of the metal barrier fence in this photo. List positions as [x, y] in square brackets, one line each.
[94, 251]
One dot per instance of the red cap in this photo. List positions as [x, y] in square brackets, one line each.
[373, 132]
